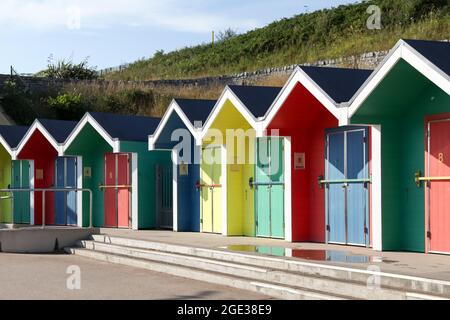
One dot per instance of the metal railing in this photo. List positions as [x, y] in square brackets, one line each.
[44, 191]
[322, 181]
[119, 186]
[419, 179]
[253, 184]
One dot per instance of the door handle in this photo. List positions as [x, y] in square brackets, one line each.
[251, 182]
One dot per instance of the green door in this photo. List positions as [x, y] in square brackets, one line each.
[269, 185]
[21, 200]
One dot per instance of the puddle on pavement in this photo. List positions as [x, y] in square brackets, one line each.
[309, 254]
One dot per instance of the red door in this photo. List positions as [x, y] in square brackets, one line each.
[123, 191]
[117, 190]
[438, 204]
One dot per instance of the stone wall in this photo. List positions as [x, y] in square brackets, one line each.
[365, 61]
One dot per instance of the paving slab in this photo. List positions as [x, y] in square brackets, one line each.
[431, 266]
[31, 276]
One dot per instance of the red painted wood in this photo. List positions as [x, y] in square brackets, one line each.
[123, 161]
[110, 198]
[39, 149]
[439, 191]
[304, 119]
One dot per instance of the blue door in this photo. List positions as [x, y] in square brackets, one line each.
[346, 181]
[65, 201]
[357, 191]
[336, 191]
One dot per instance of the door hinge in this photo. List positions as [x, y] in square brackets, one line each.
[366, 230]
[256, 223]
[429, 234]
[328, 227]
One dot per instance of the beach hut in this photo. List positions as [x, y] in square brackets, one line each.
[177, 132]
[40, 149]
[228, 159]
[118, 168]
[308, 113]
[10, 137]
[407, 103]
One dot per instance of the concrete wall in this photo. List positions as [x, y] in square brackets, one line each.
[38, 240]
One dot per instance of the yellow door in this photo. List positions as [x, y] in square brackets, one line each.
[211, 190]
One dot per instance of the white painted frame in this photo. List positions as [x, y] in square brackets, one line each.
[31, 162]
[134, 192]
[37, 125]
[224, 183]
[377, 221]
[228, 95]
[6, 146]
[402, 50]
[79, 193]
[173, 107]
[287, 189]
[300, 76]
[89, 119]
[175, 190]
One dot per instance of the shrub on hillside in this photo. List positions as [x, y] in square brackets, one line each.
[68, 106]
[69, 70]
[17, 102]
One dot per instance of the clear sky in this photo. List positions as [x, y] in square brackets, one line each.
[112, 32]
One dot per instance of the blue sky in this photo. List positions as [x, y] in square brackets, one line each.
[112, 32]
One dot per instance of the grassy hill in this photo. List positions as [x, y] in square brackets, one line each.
[304, 38]
[324, 34]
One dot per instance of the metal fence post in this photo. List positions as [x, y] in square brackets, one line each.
[43, 209]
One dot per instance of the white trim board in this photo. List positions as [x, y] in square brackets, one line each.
[299, 76]
[32, 196]
[37, 125]
[6, 146]
[134, 191]
[376, 221]
[288, 189]
[173, 107]
[88, 119]
[80, 193]
[227, 95]
[175, 190]
[224, 183]
[402, 50]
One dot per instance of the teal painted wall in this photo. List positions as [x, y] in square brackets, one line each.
[400, 104]
[92, 147]
[147, 161]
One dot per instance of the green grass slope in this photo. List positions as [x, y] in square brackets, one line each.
[330, 33]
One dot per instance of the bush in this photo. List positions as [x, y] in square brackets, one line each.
[17, 102]
[63, 69]
[68, 105]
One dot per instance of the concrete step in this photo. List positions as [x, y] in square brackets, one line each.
[239, 282]
[274, 276]
[386, 281]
